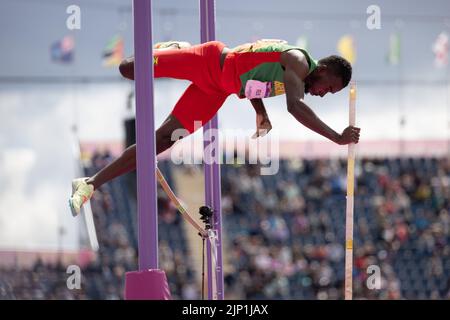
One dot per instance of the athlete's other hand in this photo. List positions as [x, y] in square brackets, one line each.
[349, 135]
[263, 125]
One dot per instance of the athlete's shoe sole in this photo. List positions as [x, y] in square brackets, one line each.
[74, 188]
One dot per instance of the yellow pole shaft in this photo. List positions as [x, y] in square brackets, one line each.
[350, 203]
[188, 216]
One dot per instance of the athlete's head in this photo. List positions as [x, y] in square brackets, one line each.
[332, 74]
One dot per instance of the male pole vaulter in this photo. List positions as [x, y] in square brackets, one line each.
[254, 71]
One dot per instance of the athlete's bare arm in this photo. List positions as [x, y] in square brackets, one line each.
[296, 69]
[263, 125]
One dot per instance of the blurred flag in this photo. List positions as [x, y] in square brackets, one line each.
[113, 52]
[346, 48]
[440, 49]
[302, 42]
[394, 49]
[63, 50]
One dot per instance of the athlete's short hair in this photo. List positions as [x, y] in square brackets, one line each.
[339, 66]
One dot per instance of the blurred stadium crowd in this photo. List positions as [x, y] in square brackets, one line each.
[284, 234]
[288, 230]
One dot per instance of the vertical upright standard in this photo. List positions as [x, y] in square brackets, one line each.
[350, 203]
[212, 170]
[145, 137]
[148, 282]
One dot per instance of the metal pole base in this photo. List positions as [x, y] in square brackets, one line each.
[147, 285]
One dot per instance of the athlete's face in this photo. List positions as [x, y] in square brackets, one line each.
[322, 81]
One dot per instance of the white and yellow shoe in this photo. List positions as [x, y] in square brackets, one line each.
[81, 193]
[172, 45]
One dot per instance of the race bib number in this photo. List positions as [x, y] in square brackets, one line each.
[256, 89]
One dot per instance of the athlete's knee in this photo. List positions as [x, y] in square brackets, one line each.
[163, 141]
[171, 130]
[166, 137]
[126, 68]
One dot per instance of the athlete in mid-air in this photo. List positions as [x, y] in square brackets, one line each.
[254, 71]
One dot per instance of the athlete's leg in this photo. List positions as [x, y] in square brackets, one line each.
[126, 162]
[126, 67]
[168, 63]
[194, 105]
[199, 64]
